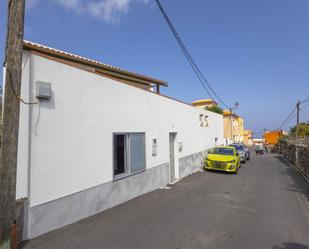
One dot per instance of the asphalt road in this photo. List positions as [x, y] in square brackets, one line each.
[265, 206]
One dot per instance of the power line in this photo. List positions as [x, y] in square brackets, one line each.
[210, 91]
[183, 47]
[292, 114]
[289, 117]
[304, 107]
[14, 91]
[305, 100]
[305, 113]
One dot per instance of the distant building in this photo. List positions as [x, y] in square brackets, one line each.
[203, 103]
[257, 141]
[248, 137]
[272, 137]
[233, 127]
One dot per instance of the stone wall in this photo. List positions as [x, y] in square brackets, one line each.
[297, 153]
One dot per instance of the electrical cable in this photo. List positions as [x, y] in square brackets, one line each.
[304, 107]
[292, 114]
[7, 70]
[183, 48]
[14, 91]
[305, 100]
[287, 119]
[209, 89]
[305, 113]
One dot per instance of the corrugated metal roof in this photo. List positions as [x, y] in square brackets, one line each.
[42, 48]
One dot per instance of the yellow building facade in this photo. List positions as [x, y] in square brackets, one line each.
[248, 137]
[233, 127]
[203, 103]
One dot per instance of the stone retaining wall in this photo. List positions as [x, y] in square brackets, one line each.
[297, 154]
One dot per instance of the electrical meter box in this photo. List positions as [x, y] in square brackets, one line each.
[43, 90]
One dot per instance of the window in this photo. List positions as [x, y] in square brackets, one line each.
[201, 120]
[129, 154]
[204, 120]
[119, 154]
[222, 151]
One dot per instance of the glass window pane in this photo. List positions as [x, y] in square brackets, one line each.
[137, 152]
[119, 154]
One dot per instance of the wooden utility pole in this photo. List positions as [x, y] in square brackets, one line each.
[8, 158]
[297, 119]
[298, 110]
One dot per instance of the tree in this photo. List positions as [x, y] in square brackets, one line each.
[215, 109]
[302, 129]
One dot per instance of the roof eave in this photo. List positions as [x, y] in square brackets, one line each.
[77, 59]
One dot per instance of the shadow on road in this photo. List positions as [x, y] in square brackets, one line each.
[290, 245]
[220, 172]
[298, 184]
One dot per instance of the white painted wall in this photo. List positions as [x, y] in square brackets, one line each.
[71, 134]
[24, 127]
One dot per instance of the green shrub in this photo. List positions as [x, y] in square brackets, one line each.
[215, 109]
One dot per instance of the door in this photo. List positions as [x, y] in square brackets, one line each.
[172, 156]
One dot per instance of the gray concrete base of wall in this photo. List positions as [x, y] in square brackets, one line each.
[69, 209]
[21, 218]
[191, 163]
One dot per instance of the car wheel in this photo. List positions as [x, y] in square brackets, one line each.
[236, 171]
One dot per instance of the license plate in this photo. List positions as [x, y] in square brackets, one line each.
[219, 164]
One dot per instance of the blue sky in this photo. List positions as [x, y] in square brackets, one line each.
[255, 52]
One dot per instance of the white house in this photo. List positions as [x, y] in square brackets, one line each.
[99, 136]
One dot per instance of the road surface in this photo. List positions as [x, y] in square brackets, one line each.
[265, 206]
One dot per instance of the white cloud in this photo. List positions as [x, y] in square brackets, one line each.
[107, 10]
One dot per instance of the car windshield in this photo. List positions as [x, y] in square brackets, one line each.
[223, 151]
[238, 146]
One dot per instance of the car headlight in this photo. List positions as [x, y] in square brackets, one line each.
[232, 166]
[232, 161]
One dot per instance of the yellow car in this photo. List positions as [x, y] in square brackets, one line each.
[223, 158]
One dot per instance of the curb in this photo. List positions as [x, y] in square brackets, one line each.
[299, 171]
